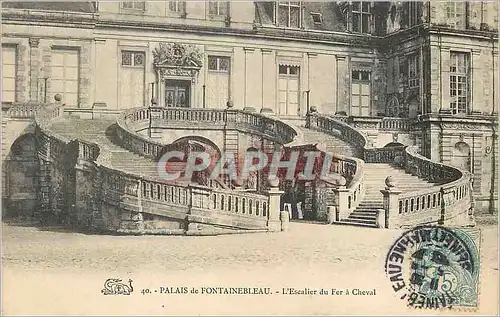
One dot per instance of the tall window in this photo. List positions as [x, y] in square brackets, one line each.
[459, 82]
[9, 73]
[218, 81]
[288, 90]
[131, 77]
[289, 14]
[178, 6]
[414, 12]
[134, 5]
[360, 93]
[64, 80]
[361, 17]
[218, 7]
[130, 58]
[455, 13]
[413, 70]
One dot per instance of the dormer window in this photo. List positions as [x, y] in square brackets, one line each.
[455, 13]
[317, 18]
[357, 16]
[361, 17]
[288, 14]
[414, 13]
[134, 5]
[178, 6]
[218, 8]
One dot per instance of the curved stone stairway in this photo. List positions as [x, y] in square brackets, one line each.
[374, 174]
[374, 179]
[333, 144]
[101, 131]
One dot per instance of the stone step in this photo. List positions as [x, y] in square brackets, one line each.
[371, 206]
[371, 198]
[366, 210]
[375, 202]
[371, 218]
[352, 222]
[398, 180]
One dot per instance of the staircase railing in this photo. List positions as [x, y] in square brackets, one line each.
[22, 110]
[449, 203]
[346, 196]
[139, 119]
[129, 203]
[327, 124]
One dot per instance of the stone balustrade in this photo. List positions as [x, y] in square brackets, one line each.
[378, 123]
[346, 196]
[341, 129]
[384, 155]
[449, 203]
[398, 124]
[128, 203]
[139, 119]
[22, 110]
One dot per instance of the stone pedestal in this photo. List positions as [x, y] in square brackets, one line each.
[274, 222]
[391, 207]
[341, 198]
[333, 214]
[382, 219]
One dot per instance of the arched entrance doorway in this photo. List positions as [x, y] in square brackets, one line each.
[461, 156]
[188, 145]
[21, 176]
[393, 144]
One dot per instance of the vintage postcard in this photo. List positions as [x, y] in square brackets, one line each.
[182, 157]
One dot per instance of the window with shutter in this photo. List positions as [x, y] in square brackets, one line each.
[459, 82]
[360, 93]
[288, 90]
[9, 73]
[64, 79]
[218, 81]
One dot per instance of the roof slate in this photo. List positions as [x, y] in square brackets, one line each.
[67, 6]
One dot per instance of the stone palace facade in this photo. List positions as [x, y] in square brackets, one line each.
[413, 73]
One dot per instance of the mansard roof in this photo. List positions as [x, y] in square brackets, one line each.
[331, 14]
[67, 6]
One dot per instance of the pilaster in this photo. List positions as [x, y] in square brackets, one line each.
[391, 207]
[477, 88]
[342, 99]
[34, 67]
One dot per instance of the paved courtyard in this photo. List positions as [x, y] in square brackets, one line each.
[53, 271]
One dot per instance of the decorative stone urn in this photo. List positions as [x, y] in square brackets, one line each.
[389, 182]
[267, 111]
[341, 181]
[249, 109]
[273, 181]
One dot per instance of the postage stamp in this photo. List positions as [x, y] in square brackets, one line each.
[435, 267]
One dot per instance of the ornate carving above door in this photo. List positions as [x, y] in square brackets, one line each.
[177, 66]
[177, 55]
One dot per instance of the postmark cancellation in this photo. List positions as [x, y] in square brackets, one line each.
[433, 267]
